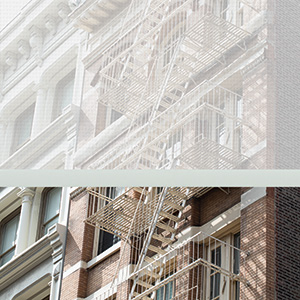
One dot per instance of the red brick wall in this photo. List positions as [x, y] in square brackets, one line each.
[78, 248]
[257, 237]
[209, 206]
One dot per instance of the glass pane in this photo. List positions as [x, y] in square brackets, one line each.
[169, 291]
[7, 257]
[115, 115]
[52, 204]
[215, 280]
[48, 225]
[65, 93]
[9, 234]
[106, 240]
[23, 126]
[160, 294]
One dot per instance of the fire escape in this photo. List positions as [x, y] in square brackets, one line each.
[147, 220]
[151, 75]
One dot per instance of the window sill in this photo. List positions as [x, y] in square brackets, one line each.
[96, 260]
[36, 146]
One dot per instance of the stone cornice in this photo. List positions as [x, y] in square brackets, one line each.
[24, 37]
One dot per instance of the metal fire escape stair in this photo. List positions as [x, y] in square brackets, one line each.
[193, 53]
[149, 226]
[142, 279]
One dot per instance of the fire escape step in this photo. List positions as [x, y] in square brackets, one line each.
[162, 239]
[144, 284]
[165, 227]
[157, 249]
[173, 205]
[169, 216]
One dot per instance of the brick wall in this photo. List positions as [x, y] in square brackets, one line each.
[209, 206]
[78, 248]
[285, 33]
[287, 229]
[257, 237]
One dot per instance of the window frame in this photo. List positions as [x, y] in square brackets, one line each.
[44, 196]
[15, 146]
[5, 220]
[227, 286]
[64, 81]
[99, 233]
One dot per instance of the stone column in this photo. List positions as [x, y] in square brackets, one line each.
[39, 122]
[22, 237]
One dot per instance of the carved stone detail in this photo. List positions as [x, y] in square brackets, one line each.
[11, 60]
[36, 43]
[64, 11]
[24, 48]
[73, 4]
[51, 24]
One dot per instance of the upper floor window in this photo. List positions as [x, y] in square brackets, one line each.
[107, 239]
[50, 209]
[23, 127]
[64, 93]
[8, 235]
[220, 8]
[166, 292]
[219, 287]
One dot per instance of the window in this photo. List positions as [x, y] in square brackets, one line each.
[215, 276]
[236, 264]
[23, 126]
[219, 286]
[106, 239]
[220, 8]
[50, 209]
[112, 115]
[64, 93]
[166, 292]
[8, 237]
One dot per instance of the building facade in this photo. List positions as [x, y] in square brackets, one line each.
[182, 243]
[33, 224]
[194, 84]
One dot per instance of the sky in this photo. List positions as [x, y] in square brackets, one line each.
[9, 9]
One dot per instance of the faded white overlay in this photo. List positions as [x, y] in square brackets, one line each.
[148, 84]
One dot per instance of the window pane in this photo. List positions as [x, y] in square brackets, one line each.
[236, 263]
[9, 234]
[169, 291]
[215, 279]
[52, 204]
[48, 225]
[65, 93]
[115, 115]
[7, 257]
[23, 126]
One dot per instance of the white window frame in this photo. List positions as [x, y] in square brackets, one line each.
[226, 263]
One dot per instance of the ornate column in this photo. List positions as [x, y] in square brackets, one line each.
[22, 237]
